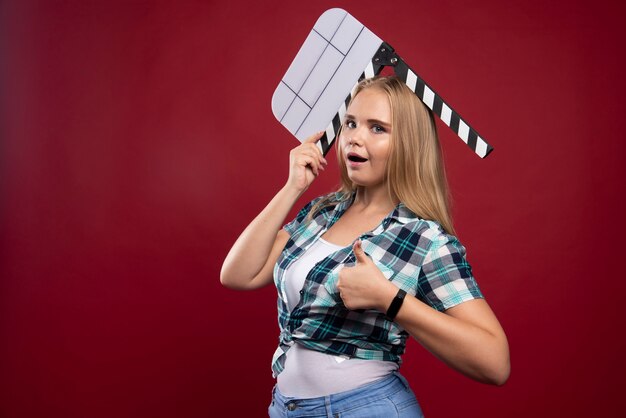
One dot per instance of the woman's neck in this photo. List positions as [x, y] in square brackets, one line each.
[374, 199]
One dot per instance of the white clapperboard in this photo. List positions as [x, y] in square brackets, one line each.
[339, 52]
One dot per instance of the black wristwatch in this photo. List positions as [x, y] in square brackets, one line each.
[396, 303]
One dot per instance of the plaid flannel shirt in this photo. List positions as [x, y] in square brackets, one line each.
[415, 254]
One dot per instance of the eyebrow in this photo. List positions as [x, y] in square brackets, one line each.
[370, 121]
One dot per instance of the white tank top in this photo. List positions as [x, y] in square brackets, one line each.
[309, 373]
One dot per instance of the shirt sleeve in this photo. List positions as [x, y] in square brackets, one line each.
[446, 279]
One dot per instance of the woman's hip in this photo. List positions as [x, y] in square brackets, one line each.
[386, 398]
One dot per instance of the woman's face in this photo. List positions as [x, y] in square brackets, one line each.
[366, 136]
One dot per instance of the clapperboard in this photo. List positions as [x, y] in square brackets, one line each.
[338, 53]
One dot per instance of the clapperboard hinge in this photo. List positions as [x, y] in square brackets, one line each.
[387, 57]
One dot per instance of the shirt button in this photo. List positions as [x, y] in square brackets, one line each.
[292, 406]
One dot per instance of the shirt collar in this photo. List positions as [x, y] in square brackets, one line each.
[402, 214]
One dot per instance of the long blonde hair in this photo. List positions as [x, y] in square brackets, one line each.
[415, 173]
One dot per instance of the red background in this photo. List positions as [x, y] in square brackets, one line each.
[137, 141]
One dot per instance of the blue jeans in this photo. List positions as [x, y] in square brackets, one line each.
[385, 398]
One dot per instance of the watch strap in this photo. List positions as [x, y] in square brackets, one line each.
[396, 303]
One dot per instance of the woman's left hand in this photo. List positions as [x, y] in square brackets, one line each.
[364, 286]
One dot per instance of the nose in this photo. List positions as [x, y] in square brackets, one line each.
[356, 136]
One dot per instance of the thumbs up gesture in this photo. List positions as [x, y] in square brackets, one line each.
[364, 286]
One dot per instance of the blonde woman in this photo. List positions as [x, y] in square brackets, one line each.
[361, 269]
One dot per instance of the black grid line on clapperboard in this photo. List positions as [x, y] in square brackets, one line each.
[324, 142]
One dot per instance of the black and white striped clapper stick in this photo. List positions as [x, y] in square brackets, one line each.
[315, 91]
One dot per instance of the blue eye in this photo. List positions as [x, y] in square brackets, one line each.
[350, 124]
[377, 129]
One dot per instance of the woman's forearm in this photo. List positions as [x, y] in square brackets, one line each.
[250, 261]
[247, 264]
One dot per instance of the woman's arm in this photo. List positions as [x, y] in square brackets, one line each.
[251, 259]
[467, 337]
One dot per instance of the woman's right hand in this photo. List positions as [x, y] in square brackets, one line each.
[305, 163]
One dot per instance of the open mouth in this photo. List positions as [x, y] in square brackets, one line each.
[356, 158]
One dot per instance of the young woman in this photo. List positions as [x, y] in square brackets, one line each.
[360, 269]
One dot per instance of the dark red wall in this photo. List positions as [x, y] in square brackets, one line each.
[137, 141]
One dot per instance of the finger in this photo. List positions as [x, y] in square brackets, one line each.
[360, 255]
[312, 160]
[313, 138]
[311, 164]
[314, 165]
[312, 152]
[317, 155]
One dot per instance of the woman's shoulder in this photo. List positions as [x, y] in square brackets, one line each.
[321, 205]
[429, 232]
[328, 202]
[332, 197]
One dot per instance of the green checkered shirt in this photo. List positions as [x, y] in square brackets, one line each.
[415, 254]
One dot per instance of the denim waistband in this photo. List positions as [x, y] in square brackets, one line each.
[367, 393]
